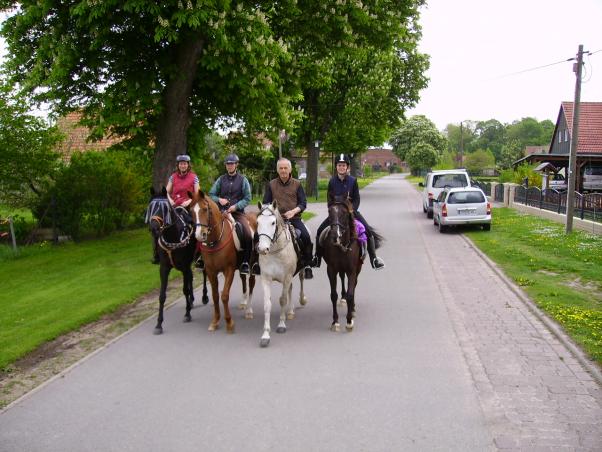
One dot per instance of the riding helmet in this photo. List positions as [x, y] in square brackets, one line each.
[231, 158]
[342, 158]
[183, 158]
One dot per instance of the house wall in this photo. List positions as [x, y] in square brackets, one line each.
[562, 147]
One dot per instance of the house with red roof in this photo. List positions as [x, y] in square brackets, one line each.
[589, 145]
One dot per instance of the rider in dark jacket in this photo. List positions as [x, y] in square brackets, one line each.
[232, 193]
[344, 186]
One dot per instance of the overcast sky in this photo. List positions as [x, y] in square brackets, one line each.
[475, 44]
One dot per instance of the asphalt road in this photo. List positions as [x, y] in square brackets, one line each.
[431, 365]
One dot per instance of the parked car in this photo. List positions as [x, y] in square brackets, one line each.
[302, 176]
[436, 181]
[592, 178]
[557, 182]
[462, 206]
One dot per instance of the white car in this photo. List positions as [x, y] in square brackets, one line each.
[462, 206]
[436, 181]
[302, 176]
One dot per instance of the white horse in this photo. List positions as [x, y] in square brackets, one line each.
[278, 262]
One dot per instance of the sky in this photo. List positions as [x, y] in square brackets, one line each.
[477, 47]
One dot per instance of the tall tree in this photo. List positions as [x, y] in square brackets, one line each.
[151, 70]
[491, 135]
[416, 130]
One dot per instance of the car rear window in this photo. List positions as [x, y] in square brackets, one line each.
[449, 180]
[593, 171]
[465, 197]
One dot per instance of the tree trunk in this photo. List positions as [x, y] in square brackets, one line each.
[313, 160]
[173, 124]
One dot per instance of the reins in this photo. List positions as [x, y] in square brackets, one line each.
[210, 247]
[185, 237]
[280, 226]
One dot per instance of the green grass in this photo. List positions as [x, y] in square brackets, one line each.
[50, 290]
[561, 273]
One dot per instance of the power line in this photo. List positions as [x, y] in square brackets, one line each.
[530, 69]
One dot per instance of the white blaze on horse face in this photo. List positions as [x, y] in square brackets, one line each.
[266, 229]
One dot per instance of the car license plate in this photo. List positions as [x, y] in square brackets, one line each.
[466, 211]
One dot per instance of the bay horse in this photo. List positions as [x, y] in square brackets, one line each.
[173, 236]
[278, 262]
[342, 254]
[216, 238]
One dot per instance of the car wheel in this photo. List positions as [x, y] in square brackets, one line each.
[486, 227]
[423, 208]
[429, 213]
[442, 228]
[434, 221]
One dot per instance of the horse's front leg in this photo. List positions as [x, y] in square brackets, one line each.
[249, 310]
[229, 277]
[267, 311]
[205, 298]
[352, 282]
[285, 310]
[188, 292]
[343, 299]
[245, 294]
[163, 274]
[302, 297]
[214, 325]
[332, 277]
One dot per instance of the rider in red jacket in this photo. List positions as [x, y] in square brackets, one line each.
[182, 182]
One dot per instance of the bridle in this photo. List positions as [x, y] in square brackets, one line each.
[341, 230]
[209, 226]
[280, 226]
[185, 236]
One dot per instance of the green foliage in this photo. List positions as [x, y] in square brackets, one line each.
[416, 130]
[527, 171]
[511, 152]
[563, 270]
[447, 160]
[479, 160]
[27, 157]
[421, 157]
[98, 192]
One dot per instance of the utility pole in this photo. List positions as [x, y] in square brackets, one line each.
[570, 197]
[461, 146]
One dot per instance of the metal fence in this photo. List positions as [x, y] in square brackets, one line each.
[586, 206]
[485, 186]
[499, 193]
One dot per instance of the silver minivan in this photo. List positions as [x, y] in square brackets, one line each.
[436, 181]
[592, 178]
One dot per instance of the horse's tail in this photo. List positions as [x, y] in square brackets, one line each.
[378, 239]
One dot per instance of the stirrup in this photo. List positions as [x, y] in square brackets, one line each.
[244, 268]
[256, 269]
[378, 264]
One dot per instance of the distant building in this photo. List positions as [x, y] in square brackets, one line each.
[381, 159]
[76, 136]
[535, 149]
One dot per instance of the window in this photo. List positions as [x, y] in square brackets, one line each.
[566, 135]
[449, 180]
[465, 197]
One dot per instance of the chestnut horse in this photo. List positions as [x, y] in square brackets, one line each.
[216, 237]
[342, 254]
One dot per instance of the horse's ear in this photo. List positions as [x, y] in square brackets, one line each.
[275, 204]
[152, 192]
[259, 205]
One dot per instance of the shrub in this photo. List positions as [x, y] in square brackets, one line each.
[97, 192]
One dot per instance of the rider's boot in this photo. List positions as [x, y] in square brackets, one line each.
[376, 262]
[246, 257]
[307, 261]
[317, 260]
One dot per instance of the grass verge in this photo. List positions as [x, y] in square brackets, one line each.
[51, 290]
[561, 273]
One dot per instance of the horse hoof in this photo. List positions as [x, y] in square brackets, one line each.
[230, 329]
[281, 329]
[213, 327]
[342, 301]
[290, 316]
[335, 327]
[249, 315]
[187, 319]
[205, 300]
[349, 326]
[263, 343]
[158, 330]
[303, 301]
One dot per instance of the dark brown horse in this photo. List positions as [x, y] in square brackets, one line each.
[217, 239]
[172, 232]
[342, 254]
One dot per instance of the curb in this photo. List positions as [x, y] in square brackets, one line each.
[592, 368]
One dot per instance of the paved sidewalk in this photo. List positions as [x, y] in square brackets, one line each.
[534, 393]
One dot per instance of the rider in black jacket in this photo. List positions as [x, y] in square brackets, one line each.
[344, 186]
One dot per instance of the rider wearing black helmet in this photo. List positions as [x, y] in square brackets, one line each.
[344, 186]
[232, 193]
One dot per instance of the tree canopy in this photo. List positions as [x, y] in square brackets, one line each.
[417, 129]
